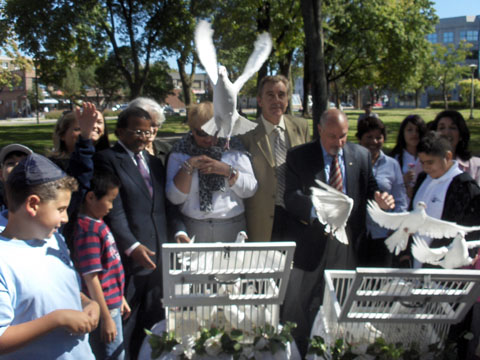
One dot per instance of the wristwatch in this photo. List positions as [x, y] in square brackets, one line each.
[233, 172]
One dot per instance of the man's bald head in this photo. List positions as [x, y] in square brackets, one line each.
[333, 130]
[334, 116]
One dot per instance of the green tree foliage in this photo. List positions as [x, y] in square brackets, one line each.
[466, 91]
[71, 85]
[424, 74]
[56, 33]
[237, 23]
[448, 66]
[159, 84]
[109, 81]
[9, 48]
[376, 41]
[64, 33]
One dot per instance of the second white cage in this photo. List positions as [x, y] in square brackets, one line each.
[399, 305]
[225, 285]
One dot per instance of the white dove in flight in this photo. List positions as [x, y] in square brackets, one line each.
[453, 256]
[333, 209]
[227, 121]
[413, 222]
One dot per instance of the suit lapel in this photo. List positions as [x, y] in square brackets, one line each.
[157, 173]
[292, 131]
[261, 139]
[318, 163]
[350, 170]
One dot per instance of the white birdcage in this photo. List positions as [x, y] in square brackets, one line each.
[399, 305]
[225, 285]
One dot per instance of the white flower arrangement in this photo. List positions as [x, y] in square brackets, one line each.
[220, 344]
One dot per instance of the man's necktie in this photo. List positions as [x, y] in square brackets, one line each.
[336, 180]
[281, 167]
[144, 172]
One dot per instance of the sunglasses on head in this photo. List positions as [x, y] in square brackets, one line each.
[200, 133]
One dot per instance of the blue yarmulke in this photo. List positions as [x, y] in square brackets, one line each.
[35, 169]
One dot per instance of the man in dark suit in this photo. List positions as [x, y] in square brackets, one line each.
[348, 167]
[138, 221]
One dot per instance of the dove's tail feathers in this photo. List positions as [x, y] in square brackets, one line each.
[243, 126]
[341, 236]
[206, 49]
[397, 241]
[210, 127]
[261, 51]
[473, 244]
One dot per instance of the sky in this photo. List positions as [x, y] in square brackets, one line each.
[453, 8]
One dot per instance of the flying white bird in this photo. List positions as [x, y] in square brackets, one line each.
[226, 121]
[455, 255]
[413, 222]
[333, 209]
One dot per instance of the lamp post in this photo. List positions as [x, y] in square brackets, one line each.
[472, 68]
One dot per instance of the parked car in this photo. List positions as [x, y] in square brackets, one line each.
[168, 110]
[119, 107]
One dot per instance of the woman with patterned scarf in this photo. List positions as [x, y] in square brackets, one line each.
[209, 180]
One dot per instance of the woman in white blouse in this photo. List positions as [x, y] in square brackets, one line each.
[412, 129]
[209, 178]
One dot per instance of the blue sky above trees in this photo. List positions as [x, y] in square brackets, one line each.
[449, 8]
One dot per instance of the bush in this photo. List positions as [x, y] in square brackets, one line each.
[54, 114]
[110, 113]
[452, 104]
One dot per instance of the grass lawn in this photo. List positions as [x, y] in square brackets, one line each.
[39, 137]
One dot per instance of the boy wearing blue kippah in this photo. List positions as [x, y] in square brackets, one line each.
[42, 312]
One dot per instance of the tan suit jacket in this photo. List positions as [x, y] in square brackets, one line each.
[260, 208]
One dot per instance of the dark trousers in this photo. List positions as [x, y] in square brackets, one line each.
[281, 230]
[144, 295]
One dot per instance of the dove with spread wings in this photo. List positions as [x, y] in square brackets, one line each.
[227, 121]
[333, 209]
[413, 222]
[453, 256]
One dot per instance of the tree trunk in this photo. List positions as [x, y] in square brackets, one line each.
[263, 24]
[186, 82]
[445, 97]
[417, 98]
[312, 19]
[306, 83]
[285, 66]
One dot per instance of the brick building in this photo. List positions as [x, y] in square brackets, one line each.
[14, 102]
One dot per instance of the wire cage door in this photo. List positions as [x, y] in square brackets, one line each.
[399, 305]
[225, 285]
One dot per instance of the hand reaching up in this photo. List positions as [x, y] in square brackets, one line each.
[87, 116]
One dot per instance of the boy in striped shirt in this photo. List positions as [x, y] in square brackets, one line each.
[98, 261]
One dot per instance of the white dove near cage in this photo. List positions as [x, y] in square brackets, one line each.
[453, 256]
[333, 209]
[413, 222]
[227, 121]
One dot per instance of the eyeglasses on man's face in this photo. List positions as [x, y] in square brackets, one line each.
[140, 133]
